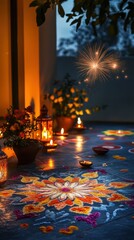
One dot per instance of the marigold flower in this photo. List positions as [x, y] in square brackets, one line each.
[60, 99]
[87, 111]
[86, 99]
[70, 105]
[56, 100]
[51, 97]
[76, 104]
[79, 112]
[76, 99]
[72, 90]
[72, 110]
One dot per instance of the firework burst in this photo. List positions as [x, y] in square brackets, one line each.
[97, 62]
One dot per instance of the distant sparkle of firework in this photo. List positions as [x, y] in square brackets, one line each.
[97, 62]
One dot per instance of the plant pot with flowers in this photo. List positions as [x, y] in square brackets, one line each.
[68, 99]
[17, 134]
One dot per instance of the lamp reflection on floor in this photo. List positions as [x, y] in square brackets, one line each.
[79, 143]
[50, 146]
[51, 163]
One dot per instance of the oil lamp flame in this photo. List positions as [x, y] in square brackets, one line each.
[62, 130]
[79, 121]
[51, 142]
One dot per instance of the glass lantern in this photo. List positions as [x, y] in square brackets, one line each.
[30, 121]
[3, 167]
[44, 126]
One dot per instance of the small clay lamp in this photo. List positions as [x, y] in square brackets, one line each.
[79, 125]
[61, 133]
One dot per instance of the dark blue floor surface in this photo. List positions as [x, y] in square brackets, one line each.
[56, 198]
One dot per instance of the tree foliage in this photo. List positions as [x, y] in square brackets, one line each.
[77, 40]
[92, 12]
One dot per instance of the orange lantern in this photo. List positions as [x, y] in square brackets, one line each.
[3, 167]
[44, 124]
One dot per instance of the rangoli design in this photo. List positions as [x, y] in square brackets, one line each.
[73, 196]
[119, 133]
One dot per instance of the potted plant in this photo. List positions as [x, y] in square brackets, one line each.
[68, 99]
[17, 134]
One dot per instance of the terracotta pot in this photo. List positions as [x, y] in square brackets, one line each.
[27, 154]
[64, 122]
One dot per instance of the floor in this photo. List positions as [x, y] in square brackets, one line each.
[57, 198]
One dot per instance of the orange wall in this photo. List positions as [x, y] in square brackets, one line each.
[31, 58]
[36, 56]
[5, 65]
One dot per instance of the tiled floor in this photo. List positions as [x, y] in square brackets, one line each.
[57, 198]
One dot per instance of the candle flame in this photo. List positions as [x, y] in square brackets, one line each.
[44, 133]
[79, 120]
[62, 130]
[51, 142]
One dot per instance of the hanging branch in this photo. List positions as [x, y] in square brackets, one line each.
[95, 12]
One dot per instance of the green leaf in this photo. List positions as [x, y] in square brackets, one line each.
[61, 10]
[40, 13]
[79, 23]
[70, 16]
[40, 16]
[34, 3]
[74, 22]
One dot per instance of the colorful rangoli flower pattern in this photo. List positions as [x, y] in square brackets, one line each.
[78, 193]
[119, 133]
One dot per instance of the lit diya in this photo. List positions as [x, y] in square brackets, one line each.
[85, 163]
[50, 145]
[61, 133]
[79, 125]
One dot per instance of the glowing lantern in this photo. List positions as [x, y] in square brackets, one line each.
[3, 167]
[44, 126]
